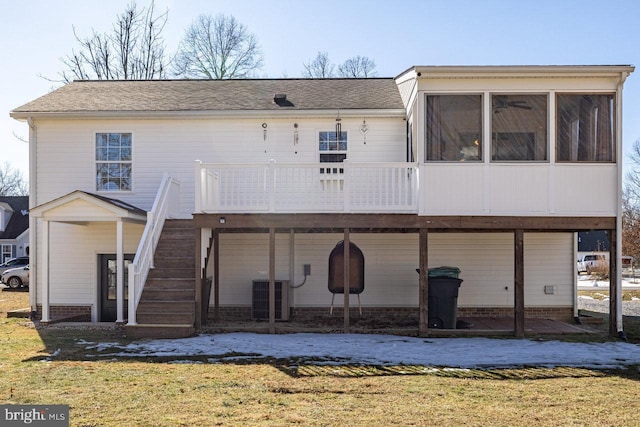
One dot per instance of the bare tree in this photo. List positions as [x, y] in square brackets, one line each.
[319, 68]
[11, 182]
[217, 47]
[358, 67]
[133, 50]
[631, 205]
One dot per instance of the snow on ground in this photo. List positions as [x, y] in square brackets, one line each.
[373, 349]
[587, 281]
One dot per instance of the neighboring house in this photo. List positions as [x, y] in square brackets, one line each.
[14, 227]
[475, 167]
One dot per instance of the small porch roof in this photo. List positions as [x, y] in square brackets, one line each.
[80, 207]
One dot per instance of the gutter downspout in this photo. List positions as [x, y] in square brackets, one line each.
[618, 278]
[33, 228]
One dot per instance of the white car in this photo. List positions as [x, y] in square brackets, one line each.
[586, 263]
[14, 263]
[16, 277]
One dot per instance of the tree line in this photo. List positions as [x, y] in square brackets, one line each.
[213, 47]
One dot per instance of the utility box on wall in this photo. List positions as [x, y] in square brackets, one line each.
[260, 300]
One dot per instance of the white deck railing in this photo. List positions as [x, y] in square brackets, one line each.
[307, 187]
[165, 204]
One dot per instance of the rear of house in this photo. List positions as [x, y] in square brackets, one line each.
[259, 180]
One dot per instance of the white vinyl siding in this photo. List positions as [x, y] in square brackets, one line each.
[520, 190]
[73, 273]
[548, 261]
[173, 146]
[485, 259]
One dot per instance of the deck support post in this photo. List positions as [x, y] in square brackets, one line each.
[347, 284]
[614, 294]
[272, 280]
[423, 292]
[216, 274]
[518, 271]
[199, 278]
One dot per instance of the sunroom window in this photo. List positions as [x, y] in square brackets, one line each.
[585, 127]
[333, 149]
[454, 128]
[519, 127]
[113, 161]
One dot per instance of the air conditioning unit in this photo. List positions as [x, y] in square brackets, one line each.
[260, 300]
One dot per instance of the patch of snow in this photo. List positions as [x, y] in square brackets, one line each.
[374, 349]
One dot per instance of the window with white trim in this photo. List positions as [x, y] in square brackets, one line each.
[333, 149]
[7, 253]
[113, 161]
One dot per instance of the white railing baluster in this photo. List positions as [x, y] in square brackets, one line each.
[143, 260]
[303, 187]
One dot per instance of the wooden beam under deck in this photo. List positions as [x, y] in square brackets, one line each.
[394, 223]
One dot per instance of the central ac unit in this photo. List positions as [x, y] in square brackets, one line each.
[260, 300]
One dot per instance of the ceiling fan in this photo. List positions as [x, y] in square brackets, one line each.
[501, 103]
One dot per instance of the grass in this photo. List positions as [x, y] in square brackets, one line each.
[154, 392]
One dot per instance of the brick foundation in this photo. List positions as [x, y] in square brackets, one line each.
[391, 314]
[66, 313]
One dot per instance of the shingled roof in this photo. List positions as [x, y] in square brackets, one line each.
[216, 95]
[19, 221]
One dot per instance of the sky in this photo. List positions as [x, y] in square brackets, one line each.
[396, 34]
[378, 350]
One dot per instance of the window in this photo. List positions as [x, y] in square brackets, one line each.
[333, 149]
[586, 127]
[113, 162]
[7, 253]
[454, 127]
[519, 127]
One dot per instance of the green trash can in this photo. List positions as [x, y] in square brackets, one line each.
[443, 283]
[444, 271]
[443, 302]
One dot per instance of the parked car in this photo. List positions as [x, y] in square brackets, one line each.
[587, 263]
[16, 277]
[14, 263]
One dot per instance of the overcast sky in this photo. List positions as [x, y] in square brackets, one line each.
[396, 34]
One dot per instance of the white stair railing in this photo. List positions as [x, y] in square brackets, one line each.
[164, 206]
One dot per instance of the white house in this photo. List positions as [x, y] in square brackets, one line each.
[14, 227]
[474, 167]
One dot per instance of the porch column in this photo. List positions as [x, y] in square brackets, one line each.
[423, 288]
[200, 277]
[216, 273]
[615, 287]
[518, 270]
[119, 271]
[272, 280]
[45, 272]
[347, 286]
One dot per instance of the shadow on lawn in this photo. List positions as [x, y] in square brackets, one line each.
[74, 344]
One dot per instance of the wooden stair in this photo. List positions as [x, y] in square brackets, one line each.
[167, 307]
